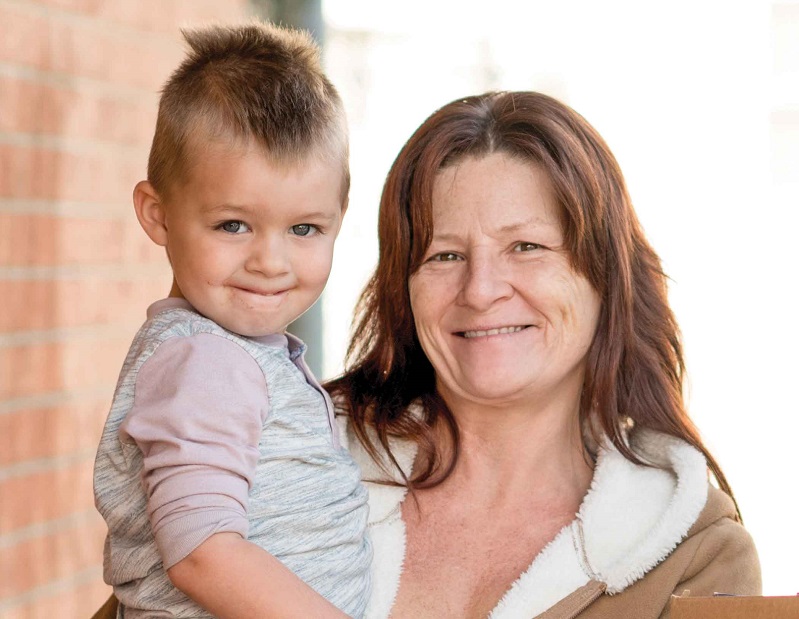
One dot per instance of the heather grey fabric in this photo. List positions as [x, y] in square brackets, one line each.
[210, 431]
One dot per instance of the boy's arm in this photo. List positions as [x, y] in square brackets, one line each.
[232, 578]
[200, 402]
[198, 417]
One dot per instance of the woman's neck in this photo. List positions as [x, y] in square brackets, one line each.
[506, 452]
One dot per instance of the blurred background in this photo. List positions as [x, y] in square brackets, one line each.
[698, 99]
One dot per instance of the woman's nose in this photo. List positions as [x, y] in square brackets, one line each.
[486, 281]
[268, 256]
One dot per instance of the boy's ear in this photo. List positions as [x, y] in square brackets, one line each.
[150, 212]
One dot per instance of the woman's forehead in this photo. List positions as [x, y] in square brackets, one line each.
[498, 192]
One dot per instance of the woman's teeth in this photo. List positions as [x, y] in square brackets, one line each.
[500, 331]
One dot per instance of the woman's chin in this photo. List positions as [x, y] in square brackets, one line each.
[490, 391]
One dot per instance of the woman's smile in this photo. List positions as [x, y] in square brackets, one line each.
[492, 331]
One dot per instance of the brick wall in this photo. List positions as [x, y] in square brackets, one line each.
[78, 83]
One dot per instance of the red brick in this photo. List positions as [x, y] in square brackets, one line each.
[80, 601]
[35, 562]
[34, 434]
[30, 172]
[40, 305]
[33, 107]
[80, 365]
[154, 15]
[50, 240]
[38, 240]
[87, 49]
[47, 495]
[197, 11]
[139, 249]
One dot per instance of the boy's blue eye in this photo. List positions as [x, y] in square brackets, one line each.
[303, 229]
[234, 227]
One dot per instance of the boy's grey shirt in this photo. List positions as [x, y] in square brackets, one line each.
[247, 446]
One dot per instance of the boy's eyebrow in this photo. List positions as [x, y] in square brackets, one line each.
[216, 208]
[241, 208]
[318, 215]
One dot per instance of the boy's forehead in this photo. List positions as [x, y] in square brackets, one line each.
[204, 155]
[243, 178]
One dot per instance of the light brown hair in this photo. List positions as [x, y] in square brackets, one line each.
[635, 364]
[242, 84]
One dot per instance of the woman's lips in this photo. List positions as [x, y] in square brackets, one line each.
[492, 331]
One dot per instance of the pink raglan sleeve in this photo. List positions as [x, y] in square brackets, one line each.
[198, 413]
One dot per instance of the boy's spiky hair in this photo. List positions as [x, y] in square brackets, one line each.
[248, 83]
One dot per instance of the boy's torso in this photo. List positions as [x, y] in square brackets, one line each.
[306, 505]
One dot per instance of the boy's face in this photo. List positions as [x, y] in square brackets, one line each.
[251, 240]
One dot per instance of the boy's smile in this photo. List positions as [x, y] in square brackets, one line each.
[251, 240]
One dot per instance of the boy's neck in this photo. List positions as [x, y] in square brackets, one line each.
[175, 291]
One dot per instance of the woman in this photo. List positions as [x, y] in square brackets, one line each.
[515, 391]
[517, 376]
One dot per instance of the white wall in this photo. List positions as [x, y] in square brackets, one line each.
[699, 101]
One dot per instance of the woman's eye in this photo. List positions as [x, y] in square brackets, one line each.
[304, 229]
[524, 246]
[234, 227]
[446, 256]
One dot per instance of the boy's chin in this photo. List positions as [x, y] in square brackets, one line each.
[253, 330]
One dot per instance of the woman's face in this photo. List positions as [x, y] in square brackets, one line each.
[499, 311]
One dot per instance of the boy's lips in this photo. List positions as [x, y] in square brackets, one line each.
[262, 292]
[261, 296]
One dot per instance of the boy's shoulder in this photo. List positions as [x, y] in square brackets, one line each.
[170, 324]
[179, 321]
[172, 319]
[167, 320]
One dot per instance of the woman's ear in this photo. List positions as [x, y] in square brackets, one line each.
[150, 212]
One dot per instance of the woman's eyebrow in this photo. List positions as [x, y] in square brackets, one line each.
[527, 223]
[514, 227]
[445, 236]
[506, 229]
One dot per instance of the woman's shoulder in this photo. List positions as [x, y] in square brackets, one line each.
[717, 538]
[724, 557]
[716, 556]
[713, 554]
[672, 515]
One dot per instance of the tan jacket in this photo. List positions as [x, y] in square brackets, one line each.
[642, 533]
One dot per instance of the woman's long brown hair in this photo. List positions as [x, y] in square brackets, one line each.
[635, 365]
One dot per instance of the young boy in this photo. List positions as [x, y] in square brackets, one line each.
[219, 472]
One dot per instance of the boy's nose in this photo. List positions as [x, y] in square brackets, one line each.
[268, 257]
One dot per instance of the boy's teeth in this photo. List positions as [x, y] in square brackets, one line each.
[492, 332]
